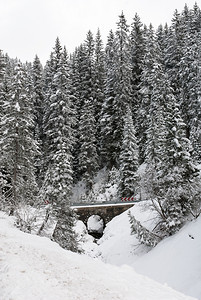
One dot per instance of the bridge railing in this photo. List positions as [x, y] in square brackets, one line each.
[106, 202]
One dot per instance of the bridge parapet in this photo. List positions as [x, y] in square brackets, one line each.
[107, 211]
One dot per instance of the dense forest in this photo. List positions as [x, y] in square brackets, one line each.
[134, 101]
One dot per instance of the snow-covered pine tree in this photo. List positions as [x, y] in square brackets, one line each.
[137, 53]
[162, 34]
[2, 66]
[182, 65]
[128, 159]
[38, 84]
[99, 75]
[123, 88]
[196, 19]
[50, 133]
[99, 84]
[143, 234]
[49, 71]
[5, 187]
[75, 96]
[17, 141]
[171, 176]
[88, 160]
[180, 184]
[189, 75]
[156, 132]
[38, 100]
[58, 180]
[118, 92]
[173, 53]
[150, 57]
[57, 189]
[106, 119]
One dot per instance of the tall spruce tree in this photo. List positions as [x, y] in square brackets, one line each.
[88, 158]
[123, 75]
[37, 78]
[181, 187]
[58, 180]
[106, 118]
[38, 101]
[5, 84]
[17, 142]
[99, 75]
[156, 131]
[137, 53]
[75, 95]
[171, 173]
[87, 155]
[189, 72]
[128, 159]
[99, 85]
[151, 57]
[118, 91]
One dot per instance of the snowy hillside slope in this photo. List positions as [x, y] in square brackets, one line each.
[118, 246]
[175, 261]
[34, 268]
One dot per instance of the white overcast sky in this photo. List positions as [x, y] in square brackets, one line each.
[29, 27]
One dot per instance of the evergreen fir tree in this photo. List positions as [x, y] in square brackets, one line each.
[137, 52]
[118, 91]
[171, 174]
[99, 84]
[37, 77]
[123, 74]
[75, 96]
[58, 180]
[17, 142]
[87, 153]
[99, 74]
[128, 159]
[108, 156]
[146, 85]
[189, 72]
[5, 84]
[181, 187]
[88, 159]
[156, 131]
[38, 101]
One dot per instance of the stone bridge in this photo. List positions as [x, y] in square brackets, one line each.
[107, 211]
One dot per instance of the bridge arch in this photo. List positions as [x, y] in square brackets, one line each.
[95, 226]
[107, 211]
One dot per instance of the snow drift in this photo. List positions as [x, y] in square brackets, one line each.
[175, 261]
[35, 268]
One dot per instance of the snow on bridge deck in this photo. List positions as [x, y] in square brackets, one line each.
[102, 204]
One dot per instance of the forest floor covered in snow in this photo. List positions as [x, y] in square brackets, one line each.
[35, 268]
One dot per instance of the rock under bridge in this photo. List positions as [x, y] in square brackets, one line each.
[106, 210]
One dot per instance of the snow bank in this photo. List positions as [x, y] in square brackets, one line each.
[118, 246]
[35, 268]
[175, 261]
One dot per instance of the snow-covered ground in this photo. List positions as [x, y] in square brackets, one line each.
[34, 268]
[175, 261]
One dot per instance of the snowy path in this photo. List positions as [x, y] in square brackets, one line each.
[34, 268]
